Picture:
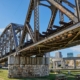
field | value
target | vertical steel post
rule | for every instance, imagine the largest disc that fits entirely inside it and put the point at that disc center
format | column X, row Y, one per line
column 36, row 20
column 77, row 2
column 61, row 14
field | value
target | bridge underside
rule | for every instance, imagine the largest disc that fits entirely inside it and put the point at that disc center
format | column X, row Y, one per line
column 62, row 39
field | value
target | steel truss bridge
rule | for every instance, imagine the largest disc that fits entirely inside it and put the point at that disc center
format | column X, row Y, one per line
column 15, row 38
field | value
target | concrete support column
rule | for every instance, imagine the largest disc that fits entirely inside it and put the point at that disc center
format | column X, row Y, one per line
column 54, row 65
column 13, row 65
column 10, row 60
column 21, row 66
column 6, row 64
column 63, row 63
column 47, row 60
column 74, row 64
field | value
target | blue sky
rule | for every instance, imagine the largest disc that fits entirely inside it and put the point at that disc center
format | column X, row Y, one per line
column 14, row 11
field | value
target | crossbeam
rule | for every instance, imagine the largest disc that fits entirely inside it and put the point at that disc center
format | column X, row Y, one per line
column 64, row 10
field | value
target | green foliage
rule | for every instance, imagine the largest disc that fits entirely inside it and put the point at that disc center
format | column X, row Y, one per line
column 51, row 71
column 4, row 75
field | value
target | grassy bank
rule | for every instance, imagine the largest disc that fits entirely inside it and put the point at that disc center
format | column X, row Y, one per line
column 4, row 75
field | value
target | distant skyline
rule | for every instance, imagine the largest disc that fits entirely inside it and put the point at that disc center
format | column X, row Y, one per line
column 14, row 11
column 75, row 50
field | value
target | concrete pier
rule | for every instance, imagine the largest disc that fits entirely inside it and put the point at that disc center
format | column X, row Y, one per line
column 74, row 64
column 20, row 66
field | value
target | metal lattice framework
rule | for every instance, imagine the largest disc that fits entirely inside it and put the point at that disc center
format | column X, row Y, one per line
column 10, row 38
column 26, row 41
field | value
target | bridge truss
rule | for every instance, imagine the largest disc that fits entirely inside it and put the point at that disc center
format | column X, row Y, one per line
column 23, row 40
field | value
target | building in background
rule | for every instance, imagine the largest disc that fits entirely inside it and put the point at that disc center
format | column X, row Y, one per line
column 69, row 54
column 47, row 55
column 58, row 55
column 78, row 55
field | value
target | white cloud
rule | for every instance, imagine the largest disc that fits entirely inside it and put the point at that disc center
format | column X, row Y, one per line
column 76, row 48
column 1, row 30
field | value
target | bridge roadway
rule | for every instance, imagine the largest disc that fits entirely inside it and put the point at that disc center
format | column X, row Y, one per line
column 64, row 38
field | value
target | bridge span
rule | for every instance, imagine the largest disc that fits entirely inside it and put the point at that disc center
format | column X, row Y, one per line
column 25, row 48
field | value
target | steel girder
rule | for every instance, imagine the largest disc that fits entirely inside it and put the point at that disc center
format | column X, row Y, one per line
column 9, row 39
column 54, row 6
column 53, row 15
column 36, row 20
column 32, row 7
column 27, row 20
